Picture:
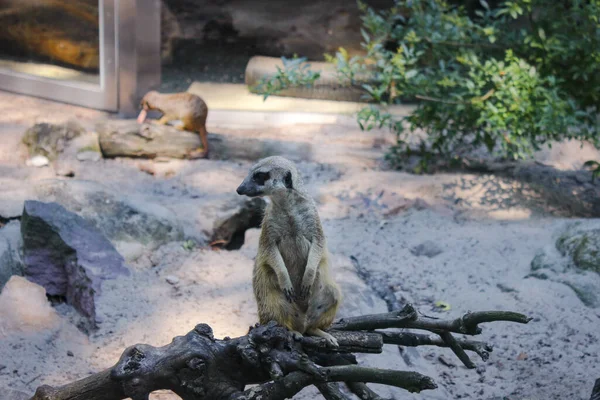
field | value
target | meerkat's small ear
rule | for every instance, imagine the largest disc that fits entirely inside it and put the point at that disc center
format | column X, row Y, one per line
column 288, row 180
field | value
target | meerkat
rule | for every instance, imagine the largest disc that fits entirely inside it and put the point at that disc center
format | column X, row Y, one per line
column 190, row 109
column 291, row 280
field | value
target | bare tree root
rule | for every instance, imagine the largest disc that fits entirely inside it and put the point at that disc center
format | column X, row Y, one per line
column 596, row 390
column 197, row 366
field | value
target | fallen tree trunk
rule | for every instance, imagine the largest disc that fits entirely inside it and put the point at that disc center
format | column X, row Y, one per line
column 127, row 138
column 197, row 366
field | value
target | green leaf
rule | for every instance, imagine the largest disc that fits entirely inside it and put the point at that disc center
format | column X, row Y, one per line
column 411, row 73
column 443, row 305
column 542, row 34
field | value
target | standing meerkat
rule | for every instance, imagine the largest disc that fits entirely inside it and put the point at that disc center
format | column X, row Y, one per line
column 291, row 279
column 190, row 109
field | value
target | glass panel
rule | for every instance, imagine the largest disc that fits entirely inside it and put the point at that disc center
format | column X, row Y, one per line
column 57, row 39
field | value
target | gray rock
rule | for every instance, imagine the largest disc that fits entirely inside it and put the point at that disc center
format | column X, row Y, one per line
column 555, row 265
column 426, row 249
column 67, row 255
column 13, row 197
column 171, row 279
column 10, row 246
column 87, row 155
column 82, row 149
column 120, row 218
column 583, row 247
column 50, row 140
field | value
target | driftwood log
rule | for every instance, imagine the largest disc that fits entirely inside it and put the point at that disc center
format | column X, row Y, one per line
column 127, row 138
column 199, row 367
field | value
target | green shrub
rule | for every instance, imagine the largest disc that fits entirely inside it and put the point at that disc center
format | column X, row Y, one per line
column 510, row 77
column 295, row 72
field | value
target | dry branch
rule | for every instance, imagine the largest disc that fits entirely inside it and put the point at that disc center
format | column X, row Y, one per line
column 197, row 366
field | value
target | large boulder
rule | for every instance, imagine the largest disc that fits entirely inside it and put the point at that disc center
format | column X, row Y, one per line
column 68, row 255
column 10, row 245
column 582, row 247
column 121, row 218
column 133, row 219
column 574, row 260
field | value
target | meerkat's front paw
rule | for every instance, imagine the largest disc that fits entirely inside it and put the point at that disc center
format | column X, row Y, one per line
column 289, row 294
column 297, row 335
column 304, row 292
column 331, row 341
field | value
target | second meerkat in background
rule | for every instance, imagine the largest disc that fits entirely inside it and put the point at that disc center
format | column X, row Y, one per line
column 190, row 109
column 291, row 280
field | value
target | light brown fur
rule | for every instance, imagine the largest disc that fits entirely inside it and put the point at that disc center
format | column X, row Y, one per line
column 291, row 279
column 190, row 109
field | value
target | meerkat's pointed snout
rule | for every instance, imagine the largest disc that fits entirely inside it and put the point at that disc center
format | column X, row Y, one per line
column 246, row 189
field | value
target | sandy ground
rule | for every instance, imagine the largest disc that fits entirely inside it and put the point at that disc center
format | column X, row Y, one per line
column 486, row 232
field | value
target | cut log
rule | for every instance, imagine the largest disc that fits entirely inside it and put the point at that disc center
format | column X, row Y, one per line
column 127, row 138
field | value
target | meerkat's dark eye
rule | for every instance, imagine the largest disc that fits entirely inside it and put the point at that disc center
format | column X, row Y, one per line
column 288, row 180
column 261, row 177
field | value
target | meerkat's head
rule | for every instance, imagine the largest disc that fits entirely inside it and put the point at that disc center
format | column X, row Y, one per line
column 148, row 100
column 270, row 176
column 146, row 104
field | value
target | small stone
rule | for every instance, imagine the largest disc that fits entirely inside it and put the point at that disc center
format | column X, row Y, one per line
column 25, row 308
column 37, row 161
column 173, row 280
column 427, row 249
column 89, row 155
column 70, row 353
